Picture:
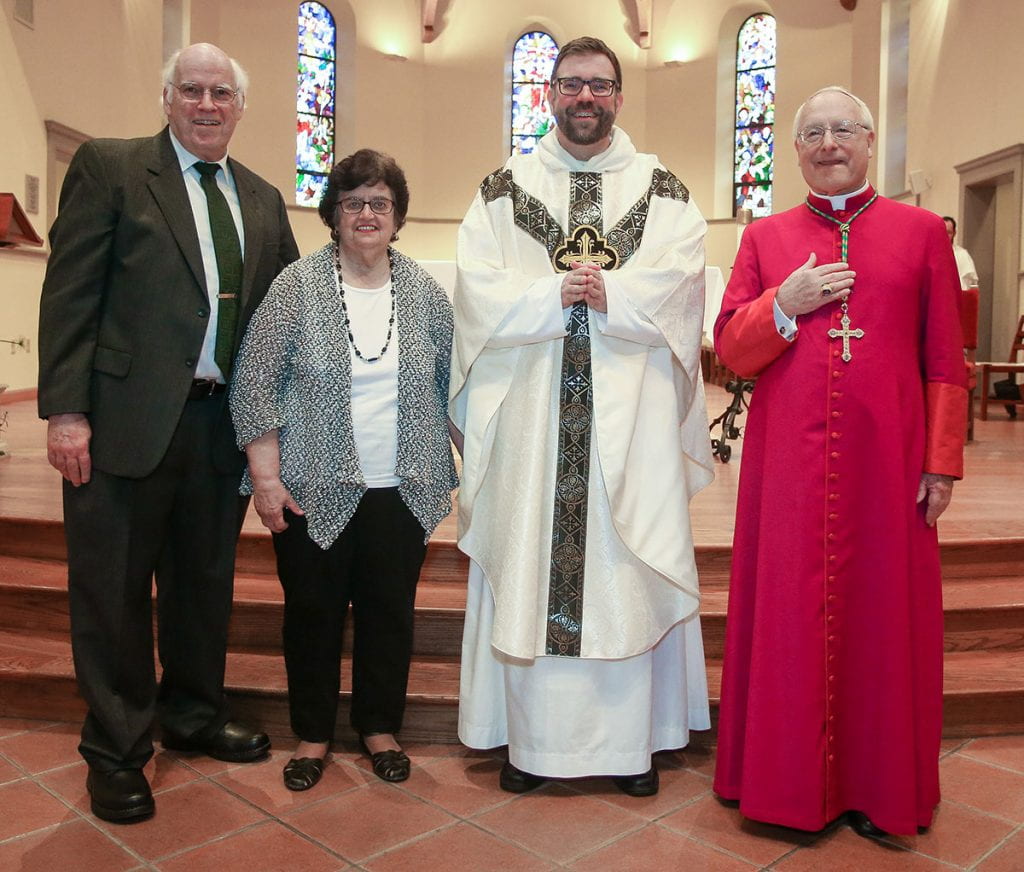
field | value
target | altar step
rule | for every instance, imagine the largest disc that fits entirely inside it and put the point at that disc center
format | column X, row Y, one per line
column 984, row 614
column 983, row 690
column 984, row 640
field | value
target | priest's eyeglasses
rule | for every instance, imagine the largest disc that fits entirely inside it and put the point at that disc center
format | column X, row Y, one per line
column 378, row 205
column 571, row 86
column 840, row 130
column 193, row 93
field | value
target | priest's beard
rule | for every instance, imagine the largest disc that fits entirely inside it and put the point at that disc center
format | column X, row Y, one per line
column 576, row 133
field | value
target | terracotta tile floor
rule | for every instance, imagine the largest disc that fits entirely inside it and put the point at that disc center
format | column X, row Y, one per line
column 451, row 816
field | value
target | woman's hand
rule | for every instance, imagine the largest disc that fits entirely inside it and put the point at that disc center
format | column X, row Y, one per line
column 269, row 494
column 271, row 498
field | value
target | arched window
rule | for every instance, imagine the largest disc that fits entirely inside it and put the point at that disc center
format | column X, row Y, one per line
column 533, row 58
column 314, row 140
column 755, row 114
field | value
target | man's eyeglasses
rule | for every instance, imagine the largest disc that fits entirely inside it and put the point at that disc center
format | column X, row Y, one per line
column 573, row 85
column 378, row 205
column 193, row 93
column 840, row 130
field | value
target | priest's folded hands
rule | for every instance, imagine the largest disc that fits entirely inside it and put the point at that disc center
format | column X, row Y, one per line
column 584, row 283
column 809, row 287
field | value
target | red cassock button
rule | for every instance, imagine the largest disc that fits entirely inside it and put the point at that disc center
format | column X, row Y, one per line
column 837, row 414
column 835, row 353
column 832, row 578
column 832, row 516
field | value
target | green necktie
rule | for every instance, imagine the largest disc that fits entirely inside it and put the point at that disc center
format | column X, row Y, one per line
column 229, row 265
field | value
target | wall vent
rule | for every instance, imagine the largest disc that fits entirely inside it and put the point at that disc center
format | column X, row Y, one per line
column 32, row 194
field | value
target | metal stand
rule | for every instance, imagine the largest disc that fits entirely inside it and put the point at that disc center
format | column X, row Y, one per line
column 738, row 387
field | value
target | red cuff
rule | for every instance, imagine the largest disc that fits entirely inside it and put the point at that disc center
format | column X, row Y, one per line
column 945, row 429
column 750, row 341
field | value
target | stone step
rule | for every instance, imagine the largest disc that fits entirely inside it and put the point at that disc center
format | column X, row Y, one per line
column 43, row 539
column 981, row 614
column 983, row 690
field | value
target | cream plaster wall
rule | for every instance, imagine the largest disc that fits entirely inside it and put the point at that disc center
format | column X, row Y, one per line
column 22, row 151
column 441, row 112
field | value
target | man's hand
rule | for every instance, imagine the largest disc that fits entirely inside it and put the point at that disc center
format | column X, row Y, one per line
column 938, row 489
column 809, row 287
column 584, row 283
column 271, row 498
column 67, row 446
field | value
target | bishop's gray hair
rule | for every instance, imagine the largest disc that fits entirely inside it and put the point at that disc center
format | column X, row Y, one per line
column 865, row 113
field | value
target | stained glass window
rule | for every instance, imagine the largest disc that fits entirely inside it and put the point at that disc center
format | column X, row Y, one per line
column 317, row 87
column 755, row 114
column 533, row 58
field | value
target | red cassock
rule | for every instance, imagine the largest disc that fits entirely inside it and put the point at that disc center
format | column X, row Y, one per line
column 832, row 683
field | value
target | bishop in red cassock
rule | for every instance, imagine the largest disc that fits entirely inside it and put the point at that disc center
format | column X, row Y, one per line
column 845, row 308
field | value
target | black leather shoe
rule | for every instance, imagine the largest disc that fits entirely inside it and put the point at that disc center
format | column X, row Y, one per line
column 233, row 743
column 862, row 825
column 516, row 781
column 388, row 765
column 645, row 784
column 302, row 773
column 121, row 796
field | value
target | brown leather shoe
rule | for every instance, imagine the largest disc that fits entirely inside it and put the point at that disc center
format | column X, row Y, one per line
column 121, row 795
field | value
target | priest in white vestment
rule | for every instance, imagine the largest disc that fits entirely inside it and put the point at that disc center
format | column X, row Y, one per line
column 576, row 383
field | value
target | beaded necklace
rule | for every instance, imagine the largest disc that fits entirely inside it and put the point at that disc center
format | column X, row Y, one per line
column 348, row 322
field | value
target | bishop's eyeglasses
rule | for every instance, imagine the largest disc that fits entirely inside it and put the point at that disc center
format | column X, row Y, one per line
column 840, row 130
column 571, row 86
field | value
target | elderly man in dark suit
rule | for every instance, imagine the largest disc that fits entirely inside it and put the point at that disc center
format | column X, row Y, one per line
column 162, row 249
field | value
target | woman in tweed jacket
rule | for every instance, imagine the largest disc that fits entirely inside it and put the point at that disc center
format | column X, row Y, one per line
column 339, row 398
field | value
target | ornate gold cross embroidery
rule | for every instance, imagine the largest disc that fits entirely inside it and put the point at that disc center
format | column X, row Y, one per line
column 585, row 246
column 846, row 333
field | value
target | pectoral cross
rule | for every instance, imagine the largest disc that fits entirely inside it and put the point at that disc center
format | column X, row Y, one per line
column 585, row 246
column 846, row 333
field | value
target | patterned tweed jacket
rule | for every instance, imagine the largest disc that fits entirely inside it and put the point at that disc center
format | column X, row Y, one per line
column 294, row 374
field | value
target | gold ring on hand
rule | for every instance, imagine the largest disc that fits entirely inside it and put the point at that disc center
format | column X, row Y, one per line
column 826, row 290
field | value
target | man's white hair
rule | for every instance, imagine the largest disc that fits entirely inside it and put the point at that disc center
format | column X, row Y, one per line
column 865, row 113
column 170, row 73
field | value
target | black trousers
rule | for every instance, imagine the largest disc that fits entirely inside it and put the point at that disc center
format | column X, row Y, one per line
column 374, row 565
column 181, row 521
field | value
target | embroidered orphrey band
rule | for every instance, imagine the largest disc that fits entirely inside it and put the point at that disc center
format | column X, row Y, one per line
column 584, row 242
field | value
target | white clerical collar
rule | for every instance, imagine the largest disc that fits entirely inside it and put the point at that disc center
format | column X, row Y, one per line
column 839, row 200
column 187, row 160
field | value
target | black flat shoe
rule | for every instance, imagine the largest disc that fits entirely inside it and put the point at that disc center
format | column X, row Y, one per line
column 302, row 773
column 516, row 781
column 233, row 743
column 121, row 796
column 388, row 765
column 644, row 784
column 862, row 825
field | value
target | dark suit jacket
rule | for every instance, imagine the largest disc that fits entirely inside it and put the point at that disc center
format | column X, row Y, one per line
column 124, row 303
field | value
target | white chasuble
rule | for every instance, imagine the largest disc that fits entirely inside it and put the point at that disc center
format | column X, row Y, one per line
column 649, row 449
